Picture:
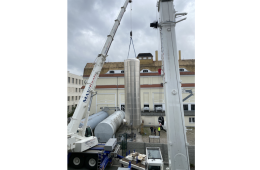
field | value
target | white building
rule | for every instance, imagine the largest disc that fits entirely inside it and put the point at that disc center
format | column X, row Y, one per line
column 74, row 91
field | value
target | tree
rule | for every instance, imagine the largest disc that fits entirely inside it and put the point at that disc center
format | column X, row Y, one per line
column 70, row 114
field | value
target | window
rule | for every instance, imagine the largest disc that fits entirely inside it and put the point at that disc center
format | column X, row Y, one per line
column 111, row 71
column 73, row 80
column 72, row 98
column 76, row 89
column 123, row 107
column 68, row 79
column 76, row 97
column 68, row 108
column 181, row 69
column 149, row 57
column 79, row 97
column 191, row 119
column 79, row 89
column 154, row 153
column 82, row 81
column 122, row 71
column 144, row 58
column 68, row 98
column 140, row 58
column 193, row 107
column 185, row 107
column 154, row 167
column 76, row 81
column 79, row 81
column 145, row 71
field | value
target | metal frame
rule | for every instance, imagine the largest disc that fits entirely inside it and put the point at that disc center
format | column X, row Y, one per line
column 176, row 135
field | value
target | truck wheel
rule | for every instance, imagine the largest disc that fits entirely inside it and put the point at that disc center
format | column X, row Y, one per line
column 76, row 161
column 91, row 163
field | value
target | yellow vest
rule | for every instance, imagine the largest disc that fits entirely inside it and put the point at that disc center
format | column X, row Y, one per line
column 159, row 129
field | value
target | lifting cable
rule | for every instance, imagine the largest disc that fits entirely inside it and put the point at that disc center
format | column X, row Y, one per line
column 131, row 34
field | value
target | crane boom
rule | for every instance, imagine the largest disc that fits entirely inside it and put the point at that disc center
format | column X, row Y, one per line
column 176, row 133
column 82, row 107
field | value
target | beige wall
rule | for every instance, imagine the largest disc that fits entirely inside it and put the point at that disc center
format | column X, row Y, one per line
column 187, row 123
column 115, row 97
column 143, row 80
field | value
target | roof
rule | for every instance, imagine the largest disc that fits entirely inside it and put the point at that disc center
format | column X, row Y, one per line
column 144, row 55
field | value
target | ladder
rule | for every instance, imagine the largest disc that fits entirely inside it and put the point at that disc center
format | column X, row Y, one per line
column 99, row 159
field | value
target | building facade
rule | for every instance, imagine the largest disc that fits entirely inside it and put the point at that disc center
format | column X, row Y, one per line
column 110, row 93
column 74, row 91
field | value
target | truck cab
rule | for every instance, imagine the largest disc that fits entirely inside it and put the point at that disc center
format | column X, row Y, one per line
column 154, row 159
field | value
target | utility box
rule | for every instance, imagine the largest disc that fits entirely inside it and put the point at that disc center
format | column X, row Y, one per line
column 110, row 145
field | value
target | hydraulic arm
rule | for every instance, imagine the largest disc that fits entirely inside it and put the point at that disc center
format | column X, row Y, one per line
column 176, row 131
column 82, row 107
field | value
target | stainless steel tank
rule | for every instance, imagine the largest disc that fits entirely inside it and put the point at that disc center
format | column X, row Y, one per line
column 108, row 127
column 132, row 92
column 94, row 119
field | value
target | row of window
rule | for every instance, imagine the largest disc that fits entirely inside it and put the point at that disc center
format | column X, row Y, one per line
column 71, row 98
column 191, row 119
column 144, row 58
column 77, row 81
column 70, row 107
column 76, row 90
column 144, row 71
column 186, row 107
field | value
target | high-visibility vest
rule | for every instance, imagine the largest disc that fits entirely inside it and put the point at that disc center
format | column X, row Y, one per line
column 159, row 129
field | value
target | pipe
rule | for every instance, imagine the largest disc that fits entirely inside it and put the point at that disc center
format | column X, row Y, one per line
column 156, row 55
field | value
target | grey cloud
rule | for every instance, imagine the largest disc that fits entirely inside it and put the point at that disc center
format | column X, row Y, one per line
column 90, row 21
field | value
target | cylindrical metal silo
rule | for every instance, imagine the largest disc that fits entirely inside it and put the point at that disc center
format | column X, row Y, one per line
column 95, row 119
column 132, row 92
column 108, row 127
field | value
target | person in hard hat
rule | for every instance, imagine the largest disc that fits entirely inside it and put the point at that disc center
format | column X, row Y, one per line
column 151, row 130
column 159, row 129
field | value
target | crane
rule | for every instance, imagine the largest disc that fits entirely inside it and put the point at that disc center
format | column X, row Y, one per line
column 176, row 133
column 77, row 142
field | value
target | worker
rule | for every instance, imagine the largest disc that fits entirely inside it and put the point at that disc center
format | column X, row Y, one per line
column 159, row 129
column 151, row 130
column 154, row 131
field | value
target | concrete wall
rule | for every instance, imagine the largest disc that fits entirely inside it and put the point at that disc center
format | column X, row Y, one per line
column 153, row 121
column 140, row 147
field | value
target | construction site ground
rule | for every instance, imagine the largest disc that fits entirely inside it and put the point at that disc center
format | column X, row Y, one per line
column 163, row 135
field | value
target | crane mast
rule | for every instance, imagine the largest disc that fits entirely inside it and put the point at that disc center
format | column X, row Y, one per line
column 176, row 133
column 82, row 107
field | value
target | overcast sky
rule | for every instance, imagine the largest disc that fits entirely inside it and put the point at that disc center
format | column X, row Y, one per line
column 90, row 21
